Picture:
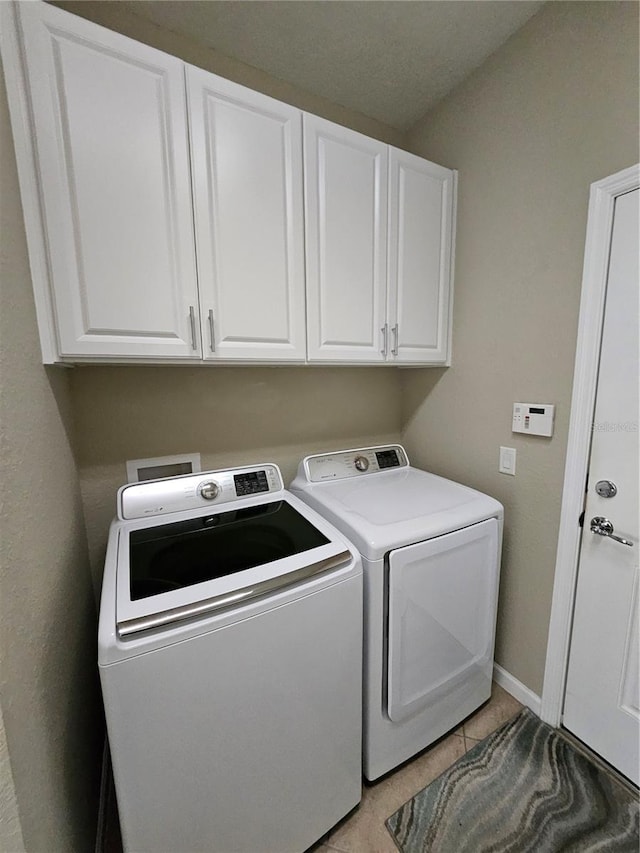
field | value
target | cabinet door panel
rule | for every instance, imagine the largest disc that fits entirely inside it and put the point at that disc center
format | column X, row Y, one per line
column 420, row 241
column 247, row 178
column 346, row 212
column 110, row 123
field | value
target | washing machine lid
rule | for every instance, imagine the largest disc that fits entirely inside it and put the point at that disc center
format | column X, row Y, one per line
column 384, row 508
column 250, row 539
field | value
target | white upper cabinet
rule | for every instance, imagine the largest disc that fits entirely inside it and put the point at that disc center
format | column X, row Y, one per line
column 172, row 214
column 113, row 173
column 378, row 265
column 346, row 240
column 421, row 199
column 247, row 184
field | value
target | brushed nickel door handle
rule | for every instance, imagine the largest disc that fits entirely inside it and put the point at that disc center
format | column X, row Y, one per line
column 603, row 527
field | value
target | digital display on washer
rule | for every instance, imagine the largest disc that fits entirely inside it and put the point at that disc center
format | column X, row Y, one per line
column 251, row 483
column 387, row 458
column 173, row 556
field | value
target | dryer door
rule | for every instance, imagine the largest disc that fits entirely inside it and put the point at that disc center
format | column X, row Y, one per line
column 442, row 610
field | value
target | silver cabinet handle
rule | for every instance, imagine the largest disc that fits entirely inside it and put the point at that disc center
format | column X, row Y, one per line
column 384, row 331
column 192, row 321
column 212, row 338
column 394, row 332
column 603, row 527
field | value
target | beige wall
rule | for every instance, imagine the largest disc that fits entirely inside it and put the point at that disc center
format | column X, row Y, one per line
column 48, row 680
column 112, row 15
column 552, row 111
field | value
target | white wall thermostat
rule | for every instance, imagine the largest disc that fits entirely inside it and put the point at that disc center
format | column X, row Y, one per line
column 533, row 418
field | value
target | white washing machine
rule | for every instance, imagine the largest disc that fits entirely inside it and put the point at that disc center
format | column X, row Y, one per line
column 431, row 558
column 230, row 656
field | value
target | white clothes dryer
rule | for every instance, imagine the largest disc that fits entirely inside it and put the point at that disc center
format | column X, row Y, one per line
column 431, row 555
column 230, row 654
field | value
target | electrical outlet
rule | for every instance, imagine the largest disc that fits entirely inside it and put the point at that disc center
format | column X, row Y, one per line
column 507, row 461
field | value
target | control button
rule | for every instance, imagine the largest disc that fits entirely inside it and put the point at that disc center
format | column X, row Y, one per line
column 209, row 490
column 361, row 463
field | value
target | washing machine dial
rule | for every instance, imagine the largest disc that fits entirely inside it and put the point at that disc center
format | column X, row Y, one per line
column 209, row 490
column 361, row 463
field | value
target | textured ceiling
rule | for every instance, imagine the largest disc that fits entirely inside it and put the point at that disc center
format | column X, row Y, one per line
column 391, row 61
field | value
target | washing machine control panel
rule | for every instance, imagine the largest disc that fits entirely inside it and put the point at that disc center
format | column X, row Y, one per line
column 208, row 488
column 361, row 462
column 251, row 482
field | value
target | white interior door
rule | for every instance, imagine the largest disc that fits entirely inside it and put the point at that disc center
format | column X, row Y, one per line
column 602, row 703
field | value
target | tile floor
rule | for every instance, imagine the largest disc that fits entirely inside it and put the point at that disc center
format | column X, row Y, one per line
column 364, row 831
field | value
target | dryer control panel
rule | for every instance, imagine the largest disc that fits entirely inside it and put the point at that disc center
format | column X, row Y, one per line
column 354, row 463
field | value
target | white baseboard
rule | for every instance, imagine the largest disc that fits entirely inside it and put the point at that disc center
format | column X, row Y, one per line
column 516, row 688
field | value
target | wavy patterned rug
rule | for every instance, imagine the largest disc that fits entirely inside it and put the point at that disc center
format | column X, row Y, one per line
column 524, row 789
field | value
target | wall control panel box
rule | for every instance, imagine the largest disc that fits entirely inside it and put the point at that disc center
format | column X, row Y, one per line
column 158, row 467
column 533, row 418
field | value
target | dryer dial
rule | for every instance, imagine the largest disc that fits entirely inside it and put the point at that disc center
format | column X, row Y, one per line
column 209, row 490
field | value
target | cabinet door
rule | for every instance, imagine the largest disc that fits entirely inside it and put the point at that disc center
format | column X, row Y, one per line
column 421, row 200
column 112, row 157
column 247, row 183
column 346, row 221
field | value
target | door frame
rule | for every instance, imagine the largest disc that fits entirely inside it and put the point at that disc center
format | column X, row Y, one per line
column 602, row 198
